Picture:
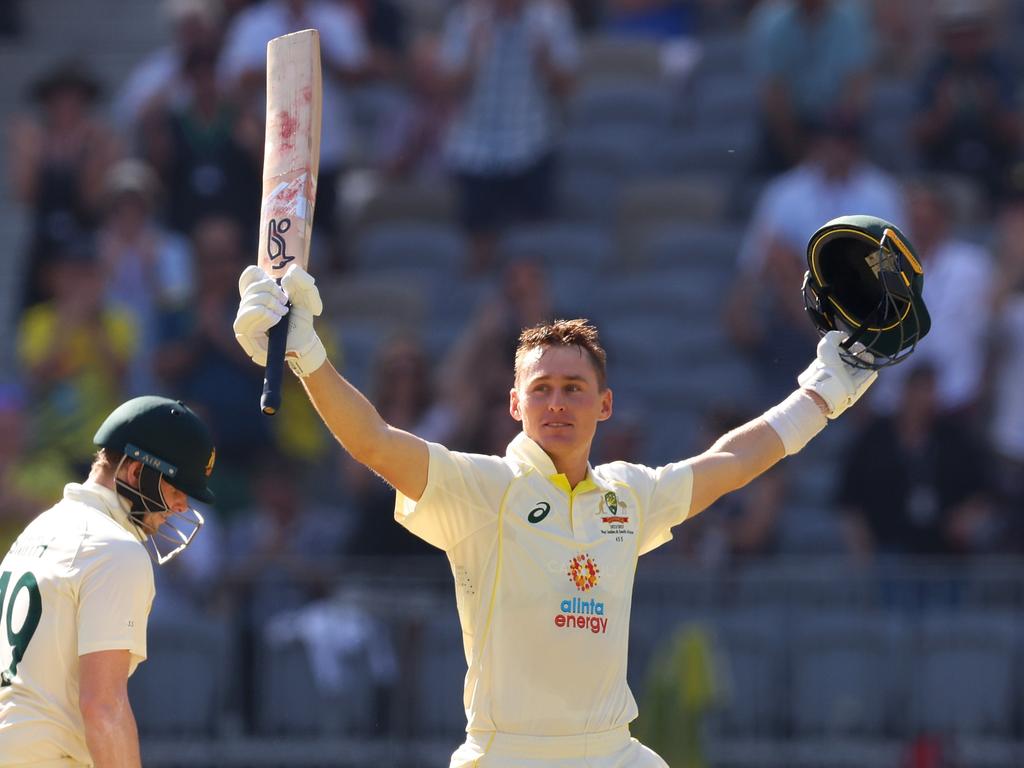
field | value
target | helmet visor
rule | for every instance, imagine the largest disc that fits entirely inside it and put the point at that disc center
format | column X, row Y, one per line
column 176, row 533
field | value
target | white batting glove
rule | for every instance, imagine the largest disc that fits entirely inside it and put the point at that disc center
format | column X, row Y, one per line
column 263, row 304
column 839, row 384
column 305, row 352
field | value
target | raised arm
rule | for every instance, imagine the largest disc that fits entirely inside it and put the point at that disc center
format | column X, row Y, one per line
column 399, row 457
column 827, row 388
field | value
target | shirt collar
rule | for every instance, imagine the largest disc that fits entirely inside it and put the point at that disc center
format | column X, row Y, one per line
column 104, row 500
column 527, row 451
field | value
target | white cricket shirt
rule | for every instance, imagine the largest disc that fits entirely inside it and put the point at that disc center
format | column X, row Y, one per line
column 77, row 580
column 544, row 579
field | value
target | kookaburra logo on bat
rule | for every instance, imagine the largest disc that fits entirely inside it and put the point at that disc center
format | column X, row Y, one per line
column 277, row 247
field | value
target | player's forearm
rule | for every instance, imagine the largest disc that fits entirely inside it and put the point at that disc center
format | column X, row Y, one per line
column 753, row 449
column 111, row 733
column 352, row 418
column 397, row 456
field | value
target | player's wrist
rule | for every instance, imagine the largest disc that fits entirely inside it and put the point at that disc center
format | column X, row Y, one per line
column 796, row 420
column 308, row 360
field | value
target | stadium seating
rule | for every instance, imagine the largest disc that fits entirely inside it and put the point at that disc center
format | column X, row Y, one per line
column 846, row 676
column 181, row 689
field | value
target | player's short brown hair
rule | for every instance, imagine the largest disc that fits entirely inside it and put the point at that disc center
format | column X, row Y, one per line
column 565, row 333
column 106, row 459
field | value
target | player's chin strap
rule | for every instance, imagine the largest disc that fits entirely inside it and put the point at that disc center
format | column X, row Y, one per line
column 179, row 528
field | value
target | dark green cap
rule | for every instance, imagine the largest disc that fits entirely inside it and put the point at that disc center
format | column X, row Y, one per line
column 164, row 434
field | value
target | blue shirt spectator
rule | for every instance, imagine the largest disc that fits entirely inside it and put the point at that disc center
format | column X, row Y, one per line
column 811, row 59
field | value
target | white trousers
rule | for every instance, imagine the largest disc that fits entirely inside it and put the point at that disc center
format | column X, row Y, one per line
column 609, row 749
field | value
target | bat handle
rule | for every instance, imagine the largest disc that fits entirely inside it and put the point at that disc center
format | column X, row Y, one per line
column 273, row 376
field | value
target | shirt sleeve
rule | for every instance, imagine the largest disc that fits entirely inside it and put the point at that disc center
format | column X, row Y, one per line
column 664, row 495
column 464, row 493
column 556, row 25
column 115, row 598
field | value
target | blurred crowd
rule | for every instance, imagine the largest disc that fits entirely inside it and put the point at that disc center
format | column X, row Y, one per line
column 143, row 198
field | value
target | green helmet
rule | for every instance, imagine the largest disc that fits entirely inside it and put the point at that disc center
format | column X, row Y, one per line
column 165, row 435
column 864, row 278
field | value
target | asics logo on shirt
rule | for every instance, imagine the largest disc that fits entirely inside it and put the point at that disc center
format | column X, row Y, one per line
column 539, row 512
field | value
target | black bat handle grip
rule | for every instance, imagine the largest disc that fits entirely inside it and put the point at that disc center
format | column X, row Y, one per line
column 273, row 377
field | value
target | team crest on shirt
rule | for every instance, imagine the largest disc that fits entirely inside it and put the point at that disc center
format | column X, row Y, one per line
column 614, row 515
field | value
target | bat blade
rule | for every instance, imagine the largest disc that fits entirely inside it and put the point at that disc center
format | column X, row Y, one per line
column 291, row 161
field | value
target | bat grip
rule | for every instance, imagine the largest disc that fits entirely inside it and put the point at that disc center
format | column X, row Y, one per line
column 273, row 376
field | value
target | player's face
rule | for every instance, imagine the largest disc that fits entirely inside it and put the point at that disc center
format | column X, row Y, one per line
column 177, row 501
column 558, row 400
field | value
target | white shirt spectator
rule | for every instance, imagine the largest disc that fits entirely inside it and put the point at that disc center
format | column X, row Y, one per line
column 508, row 118
column 342, row 44
column 1008, row 400
column 798, row 202
column 156, row 76
column 957, row 287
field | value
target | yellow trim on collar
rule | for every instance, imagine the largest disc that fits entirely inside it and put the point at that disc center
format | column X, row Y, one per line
column 584, row 485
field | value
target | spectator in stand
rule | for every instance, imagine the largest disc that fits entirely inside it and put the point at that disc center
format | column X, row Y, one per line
column 916, row 482
column 401, row 387
column 146, row 270
column 208, row 152
column 281, row 554
column 1006, row 425
column 967, row 120
column 59, row 160
column 196, row 360
column 812, row 59
column 412, row 141
column 765, row 313
column 74, row 351
column 283, row 549
column 31, row 476
column 385, row 29
column 509, row 64
column 475, row 371
column 161, row 82
column 346, row 61
column 902, row 41
column 957, row 289
column 747, row 522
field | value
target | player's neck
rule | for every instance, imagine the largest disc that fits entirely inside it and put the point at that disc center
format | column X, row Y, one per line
column 574, row 469
column 101, row 477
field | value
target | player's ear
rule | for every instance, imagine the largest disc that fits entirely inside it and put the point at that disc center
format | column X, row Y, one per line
column 513, row 404
column 131, row 471
column 606, row 405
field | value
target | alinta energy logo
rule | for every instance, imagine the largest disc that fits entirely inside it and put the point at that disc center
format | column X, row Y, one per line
column 577, row 612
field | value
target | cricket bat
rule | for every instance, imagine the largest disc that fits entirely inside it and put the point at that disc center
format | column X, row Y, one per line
column 291, row 160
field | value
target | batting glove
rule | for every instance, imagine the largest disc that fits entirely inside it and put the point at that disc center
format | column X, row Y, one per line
column 839, row 384
column 263, row 304
column 305, row 352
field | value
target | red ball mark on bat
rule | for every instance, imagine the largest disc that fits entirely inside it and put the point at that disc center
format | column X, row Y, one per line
column 287, row 124
column 307, row 94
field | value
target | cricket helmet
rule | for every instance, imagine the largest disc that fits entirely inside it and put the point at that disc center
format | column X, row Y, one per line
column 864, row 278
column 171, row 442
